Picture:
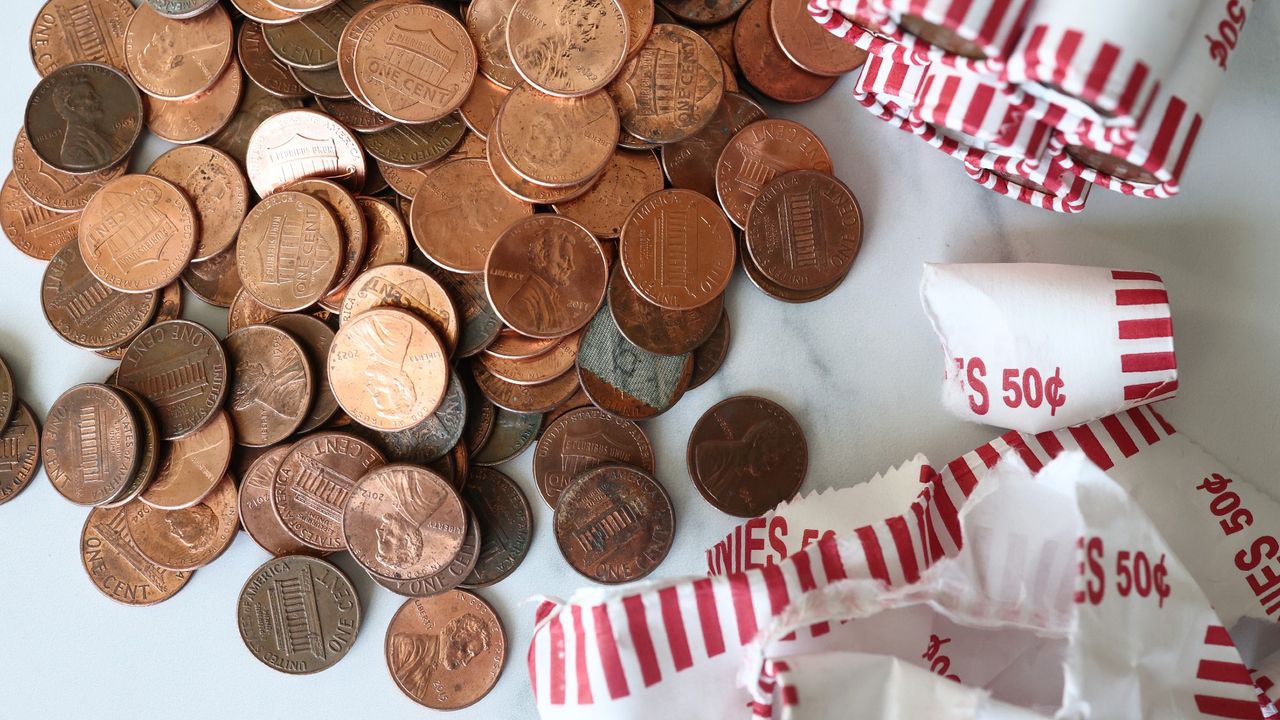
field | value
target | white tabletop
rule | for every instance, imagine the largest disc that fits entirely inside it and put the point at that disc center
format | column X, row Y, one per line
column 860, row 370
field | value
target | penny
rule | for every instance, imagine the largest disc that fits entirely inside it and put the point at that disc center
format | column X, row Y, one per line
column 349, row 38
column 302, row 6
column 311, row 41
column 290, row 251
column 355, row 241
column 541, row 369
column 657, row 109
column 539, row 398
column 298, row 614
column 691, row 163
column 116, row 567
column 181, row 9
column 764, row 64
column 192, row 466
column 245, row 311
column 189, row 538
column 720, row 37
column 433, row 438
column 404, row 181
column 179, row 367
column 408, row 288
column 52, row 188
column 703, row 12
column 34, row 230
column 520, row 187
column 149, row 445
column 313, row 483
column 254, row 505
column 709, row 356
column 804, row 230
column 404, row 522
column 624, row 380
column 567, row 47
column 677, row 249
column 614, row 524
column 760, row 152
column 297, row 144
column 479, row 323
column 941, row 37
column 553, row 141
column 482, row 105
column 486, row 22
column 639, row 22
column 326, row 83
column 216, row 281
column 90, row 444
column 1111, row 165
column 263, row 68
column 413, row 146
column 7, row 401
column 579, row 400
column 177, row 59
column 255, row 106
column 71, row 31
column 628, row 178
column 19, row 452
column 808, row 44
column 778, row 292
column 83, row 118
column 513, row 345
column 451, row 576
column 446, row 651
column 86, row 313
column 217, row 188
column 388, row 369
column 272, row 384
column 357, row 117
column 747, row 454
column 512, row 433
column 138, row 233
column 481, row 417
column 459, row 212
column 655, row 328
column 731, row 83
column 314, row 337
column 415, row 63
column 388, row 241
column 201, row 116
column 264, row 12
column 662, row 15
column 506, row 525
column 546, row 276
column 582, row 440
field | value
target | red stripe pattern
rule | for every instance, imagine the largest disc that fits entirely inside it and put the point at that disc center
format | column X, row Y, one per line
column 1144, row 333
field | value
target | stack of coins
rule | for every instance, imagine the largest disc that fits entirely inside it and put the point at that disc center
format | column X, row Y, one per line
column 19, row 440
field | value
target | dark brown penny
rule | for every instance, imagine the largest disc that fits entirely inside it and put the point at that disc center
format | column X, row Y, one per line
column 297, row 144
column 446, row 651
column 539, row 369
column 189, row 538
column 90, row 444
column 614, row 524
column 624, row 380
column 289, row 253
column 747, row 454
column 764, row 64
column 512, row 433
column 326, row 83
column 298, row 614
column 432, row 438
column 35, row 230
column 83, row 118
column 581, row 440
column 480, row 324
column 655, row 107
column 804, row 230
column 217, row 189
column 481, row 417
column 459, row 212
column 179, row 367
column 677, row 249
column 177, row 59
column 311, row 42
column 149, row 444
column 19, row 452
column 263, row 68
column 192, row 466
column 315, row 337
column 116, row 567
column 357, row 117
column 355, row 236
column 52, row 188
column 720, row 37
column 254, row 502
column 709, row 356
column 629, row 177
column 245, row 311
column 691, row 163
column 404, row 522
column 939, row 36
column 506, row 525
column 450, row 577
column 657, row 329
column 513, row 345
column 313, row 483
column 808, row 44
column 703, row 12
column 198, row 117
column 272, row 384
column 151, row 248
column 69, row 31
column 408, row 288
column 404, row 181
column 412, row 146
column 757, row 154
column 525, row 398
column 86, row 313
column 216, row 281
column 255, row 106
column 1111, row 165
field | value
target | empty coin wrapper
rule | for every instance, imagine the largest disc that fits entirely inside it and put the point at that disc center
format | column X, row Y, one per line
column 1035, row 347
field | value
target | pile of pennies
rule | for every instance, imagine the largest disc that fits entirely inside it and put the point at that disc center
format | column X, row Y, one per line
column 442, row 232
column 19, row 439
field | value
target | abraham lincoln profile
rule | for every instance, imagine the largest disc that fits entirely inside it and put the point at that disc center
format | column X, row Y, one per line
column 414, row 658
column 83, row 144
column 577, row 25
column 726, row 465
column 400, row 533
column 191, row 525
column 384, row 343
column 551, row 266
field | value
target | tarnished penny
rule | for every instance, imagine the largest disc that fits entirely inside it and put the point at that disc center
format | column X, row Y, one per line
column 512, row 433
column 479, row 323
column 263, row 68
column 433, row 438
column 525, row 398
column 177, row 59
column 451, row 576
column 36, row 231
column 255, row 106
column 404, row 522
column 7, row 399
column 691, row 163
column 314, row 337
column 520, row 187
column 513, row 345
column 415, row 63
column 355, row 240
column 671, row 88
column 747, row 454
column 760, row 152
column 297, row 144
column 584, row 439
column 179, row 367
column 764, row 64
column 86, row 313
column 404, row 181
column 446, row 651
column 459, row 212
column 808, row 44
column 71, row 31
column 201, row 116
column 482, row 105
column 629, row 177
column 357, row 117
column 677, row 249
column 624, row 380
column 540, row 369
column 215, row 281
column 709, row 356
column 703, row 12
column 116, row 567
column 289, row 251
column 388, row 369
column 254, row 502
column 83, row 118
column 506, row 525
column 189, row 538
column 567, row 47
column 553, row 141
column 272, row 384
column 326, row 83
column 298, row 614
column 546, row 275
column 313, row 483
column 192, row 466
column 1111, row 165
column 52, row 188
column 19, row 452
column 720, row 37
column 311, row 42
column 655, row 328
column 487, row 25
column 217, row 188
column 804, row 230
column 181, row 9
column 614, row 524
column 481, row 418
column 90, row 444
column 264, row 12
column 408, row 288
column 138, row 233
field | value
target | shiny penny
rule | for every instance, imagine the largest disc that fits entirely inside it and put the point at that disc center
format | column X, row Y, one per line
column 629, row 177
column 677, row 249
column 349, row 39
column 254, row 503
column 459, row 212
column 778, row 292
column 804, row 230
column 216, row 281
column 656, row 106
column 19, row 452
column 539, row 398
column 624, row 380
column 584, row 439
column 546, row 275
column 179, row 367
column 298, row 614
column 313, row 483
column 479, row 323
column 709, row 356
column 290, row 251
column 557, row 142
column 446, row 651
column 52, row 188
column 408, row 288
column 415, row 63
column 192, row 466
column 540, row 369
column 506, row 525
column 83, row 118
column 567, row 47
column 810, row 45
column 404, row 522
column 34, row 230
column 199, row 117
column 263, row 68
column 388, row 240
column 189, row 538
column 297, row 144
column 764, row 64
column 388, row 369
column 355, row 236
column 90, row 444
column 272, row 384
column 512, row 433
column 747, row 454
column 486, row 22
column 433, row 438
column 482, row 105
column 86, row 313
column 217, row 188
column 315, row 337
column 655, row 328
column 138, row 233
column 614, row 524
column 177, row 59
column 691, row 163
column 760, row 152
column 115, row 565
column 71, row 31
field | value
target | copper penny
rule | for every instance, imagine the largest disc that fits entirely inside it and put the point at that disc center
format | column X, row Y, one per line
column 313, row 483
column 36, row 231
column 512, row 433
column 262, row 11
column 179, row 367
column 760, row 152
column 138, row 233
column 450, row 577
column 624, row 380
column 1111, row 165
column 487, row 26
column 149, row 446
column 639, row 22
column 7, row 401
column 290, row 251
column 90, row 444
column 539, row 398
column 655, row 328
column 433, row 438
column 311, row 41
column 83, row 118
column 181, row 9
column 691, row 163
column 459, row 212
column 245, row 311
column 614, row 524
column 388, row 369
column 315, row 337
column 944, row 38
column 703, row 12
column 567, row 47
column 804, row 230
column 326, row 83
column 216, row 281
column 255, row 106
column 513, row 345
column 189, row 538
column 747, row 454
column 481, row 416
column 479, row 323
column 541, row 369
column 408, row 288
column 677, row 249
column 404, row 181
column 413, row 146
column 584, row 439
column 70, row 31
column 272, row 384
column 629, row 177
column 520, row 187
column 217, row 188
column 302, row 6
column 358, row 118
column 546, row 276
column 52, row 188
column 779, row 292
column 349, row 39
column 388, row 240
column 298, row 614
column 415, row 63
column 709, row 356
column 263, row 68
column 764, row 64
column 553, row 141
column 720, row 37
column 201, row 116
column 192, row 466
column 86, row 313
column 671, row 88
column 506, row 525
column 446, row 651
column 297, row 144
column 404, row 522
column 482, row 105
column 177, row 59
column 579, row 400
column 629, row 141
column 116, row 567
column 731, row 83
column 355, row 240
column 19, row 452
column 810, row 45
column 254, row 503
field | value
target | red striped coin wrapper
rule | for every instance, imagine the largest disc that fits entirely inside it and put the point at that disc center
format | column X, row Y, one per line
column 992, row 25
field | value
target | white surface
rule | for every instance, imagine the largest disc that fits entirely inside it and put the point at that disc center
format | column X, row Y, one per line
column 860, row 370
